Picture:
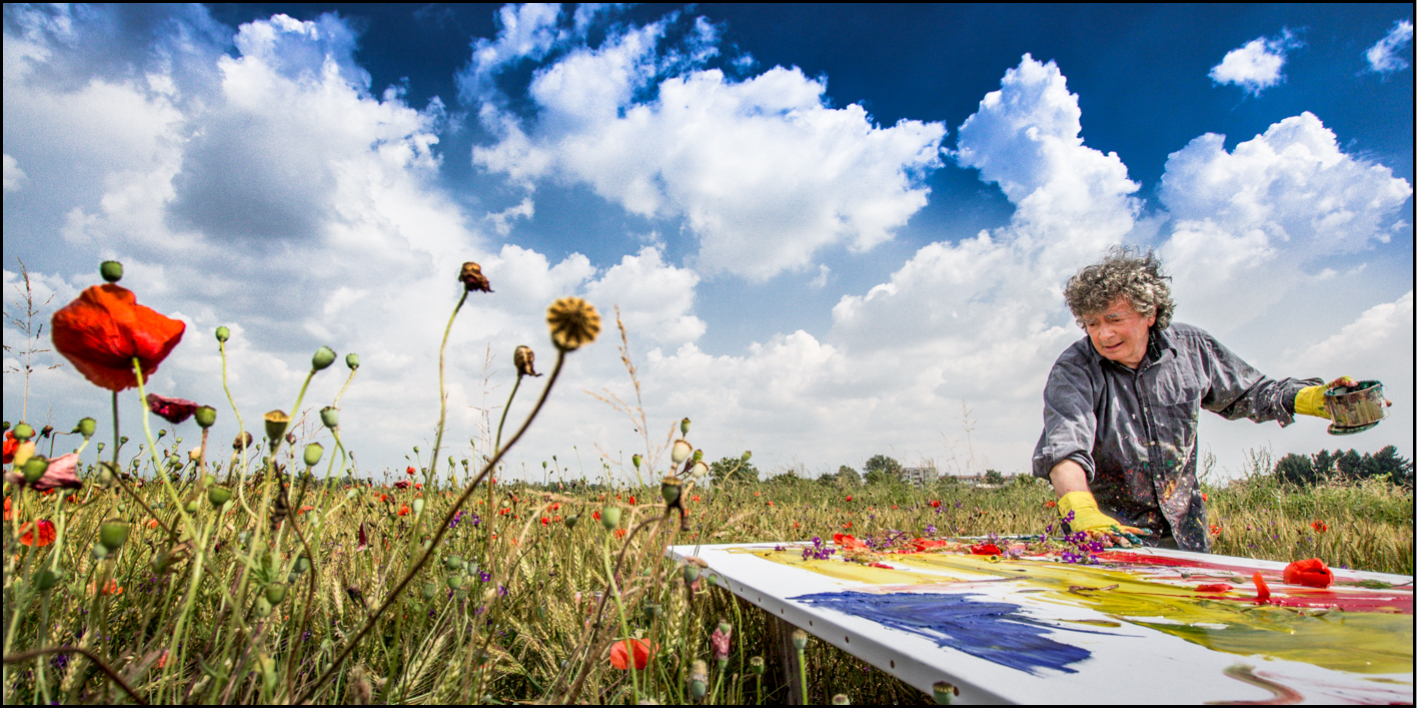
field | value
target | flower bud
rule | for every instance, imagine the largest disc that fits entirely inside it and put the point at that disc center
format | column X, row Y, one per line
column 112, row 271
column 243, row 441
column 313, row 453
column 681, row 451
column 747, row 455
column 276, row 423
column 684, row 427
column 23, row 432
column 112, row 533
column 351, row 360
column 329, row 415
column 945, row 692
column 34, row 468
column 525, row 360
column 275, row 592
column 635, row 458
column 455, row 581
column 669, row 488
column 323, row 357
column 223, row 334
column 86, row 427
column 205, row 416
column 610, row 517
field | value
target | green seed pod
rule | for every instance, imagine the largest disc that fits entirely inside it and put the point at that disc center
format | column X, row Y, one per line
column 684, row 427
column 98, row 550
column 218, row 496
column 352, row 361
column 34, row 468
column 112, row 271
column 691, row 573
column 329, row 415
column 323, row 357
column 747, row 455
column 222, row 333
column 651, row 611
column 453, row 562
column 429, row 590
column 635, row 458
column 455, row 581
column 276, row 423
column 418, row 507
column 275, row 593
column 86, row 427
column 23, row 432
column 205, row 417
column 610, row 517
column 192, row 506
column 113, row 533
column 44, row 580
column 799, row 639
column 945, row 692
column 724, row 626
column 313, row 453
column 263, row 607
column 302, row 564
column 756, row 665
column 4, row 426
column 572, row 520
column 670, row 487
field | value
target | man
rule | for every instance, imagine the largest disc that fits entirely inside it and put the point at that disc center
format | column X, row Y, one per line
column 1122, row 406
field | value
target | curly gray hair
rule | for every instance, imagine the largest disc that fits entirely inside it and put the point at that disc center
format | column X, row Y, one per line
column 1124, row 272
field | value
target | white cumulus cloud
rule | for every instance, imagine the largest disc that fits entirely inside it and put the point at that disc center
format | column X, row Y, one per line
column 1385, row 57
column 1256, row 66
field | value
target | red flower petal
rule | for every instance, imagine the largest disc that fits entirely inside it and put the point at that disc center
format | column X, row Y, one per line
column 985, row 549
column 39, row 533
column 102, row 331
column 620, row 654
column 1261, row 588
column 1310, row 573
column 173, row 410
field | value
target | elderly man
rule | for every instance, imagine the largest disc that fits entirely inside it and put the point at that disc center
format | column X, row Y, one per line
column 1122, row 406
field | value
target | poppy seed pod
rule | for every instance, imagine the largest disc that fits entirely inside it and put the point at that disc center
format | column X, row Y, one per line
column 691, row 573
column 243, row 441
column 610, row 517
column 112, row 533
column 698, row 679
column 323, row 357
column 86, row 427
column 757, row 665
column 223, row 334
column 684, row 427
column 276, row 423
column 669, row 488
column 574, row 323
column 218, row 496
column 112, row 271
column 23, row 432
column 418, row 507
column 453, row 562
column 699, row 470
column 681, row 451
column 635, row 458
column 799, row 639
column 275, row 593
column 313, row 453
column 747, row 455
column 572, row 520
column 98, row 551
column 205, row 416
column 44, row 580
column 525, row 360
column 352, row 361
column 472, row 278
column 429, row 590
column 262, row 608
column 34, row 468
column 329, row 415
column 945, row 692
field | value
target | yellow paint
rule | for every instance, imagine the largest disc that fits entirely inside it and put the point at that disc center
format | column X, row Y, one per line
column 1358, row 642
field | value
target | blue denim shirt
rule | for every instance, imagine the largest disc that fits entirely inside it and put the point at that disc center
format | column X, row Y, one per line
column 1134, row 431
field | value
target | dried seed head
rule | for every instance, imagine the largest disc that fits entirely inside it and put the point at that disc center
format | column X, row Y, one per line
column 670, row 487
column 276, row 423
column 681, row 451
column 472, row 278
column 243, row 441
column 574, row 323
column 525, row 360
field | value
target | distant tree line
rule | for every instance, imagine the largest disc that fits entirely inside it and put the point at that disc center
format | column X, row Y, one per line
column 1324, row 466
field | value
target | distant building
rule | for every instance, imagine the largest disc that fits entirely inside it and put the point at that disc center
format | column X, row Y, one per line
column 919, row 476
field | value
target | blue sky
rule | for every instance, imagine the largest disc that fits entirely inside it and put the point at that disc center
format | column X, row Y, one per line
column 829, row 229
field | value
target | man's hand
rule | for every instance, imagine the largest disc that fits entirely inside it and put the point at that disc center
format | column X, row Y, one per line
column 1087, row 517
column 1310, row 399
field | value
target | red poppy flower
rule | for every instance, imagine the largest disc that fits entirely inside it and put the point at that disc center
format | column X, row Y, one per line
column 619, row 533
column 60, row 474
column 403, row 510
column 545, row 521
column 985, row 549
column 40, row 533
column 1311, row 573
column 1215, row 529
column 632, row 500
column 173, row 410
column 105, row 328
column 402, row 484
column 595, row 515
column 1050, row 504
column 696, row 497
column 410, row 471
column 1205, row 497
column 1261, row 588
column 11, row 445
column 848, row 497
column 7, row 509
column 1214, row 587
column 1319, row 526
column 769, row 503
column 620, row 654
column 935, row 503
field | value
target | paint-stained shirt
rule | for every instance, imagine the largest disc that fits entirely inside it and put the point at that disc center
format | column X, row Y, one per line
column 1134, row 431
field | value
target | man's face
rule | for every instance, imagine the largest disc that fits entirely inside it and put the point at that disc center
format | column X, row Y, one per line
column 1120, row 332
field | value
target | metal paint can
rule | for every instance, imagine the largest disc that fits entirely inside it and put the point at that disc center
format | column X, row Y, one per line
column 1354, row 409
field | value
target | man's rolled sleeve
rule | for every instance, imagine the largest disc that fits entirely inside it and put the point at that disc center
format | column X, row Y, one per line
column 1069, row 419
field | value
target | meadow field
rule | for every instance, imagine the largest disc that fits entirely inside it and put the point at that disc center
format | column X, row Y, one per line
column 272, row 571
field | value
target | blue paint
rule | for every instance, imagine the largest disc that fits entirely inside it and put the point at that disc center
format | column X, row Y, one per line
column 991, row 630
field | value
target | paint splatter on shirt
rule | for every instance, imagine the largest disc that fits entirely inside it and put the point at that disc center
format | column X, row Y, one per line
column 1134, row 431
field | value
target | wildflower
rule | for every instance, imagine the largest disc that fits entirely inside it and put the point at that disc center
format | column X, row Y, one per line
column 619, row 533
column 105, row 328
column 848, row 497
column 11, row 445
column 8, row 514
column 1205, row 497
column 574, row 323
column 410, row 471
column 984, row 549
column 172, row 410
column 770, row 503
column 525, row 359
column 595, row 515
column 403, row 510
column 1050, row 504
column 620, row 654
column 111, row 588
column 472, row 278
column 59, row 473
column 1215, row 529
column 721, row 641
column 545, row 521
column 935, row 503
column 1261, row 588
column 304, row 509
column 1312, row 573
column 632, row 500
column 1319, row 526
column 39, row 533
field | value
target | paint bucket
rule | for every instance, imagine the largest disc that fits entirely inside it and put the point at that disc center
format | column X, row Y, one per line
column 1356, row 408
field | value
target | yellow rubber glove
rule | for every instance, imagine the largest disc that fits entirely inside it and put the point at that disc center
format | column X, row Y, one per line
column 1087, row 517
column 1310, row 400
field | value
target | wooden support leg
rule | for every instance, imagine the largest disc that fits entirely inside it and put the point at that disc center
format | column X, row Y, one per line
column 787, row 669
